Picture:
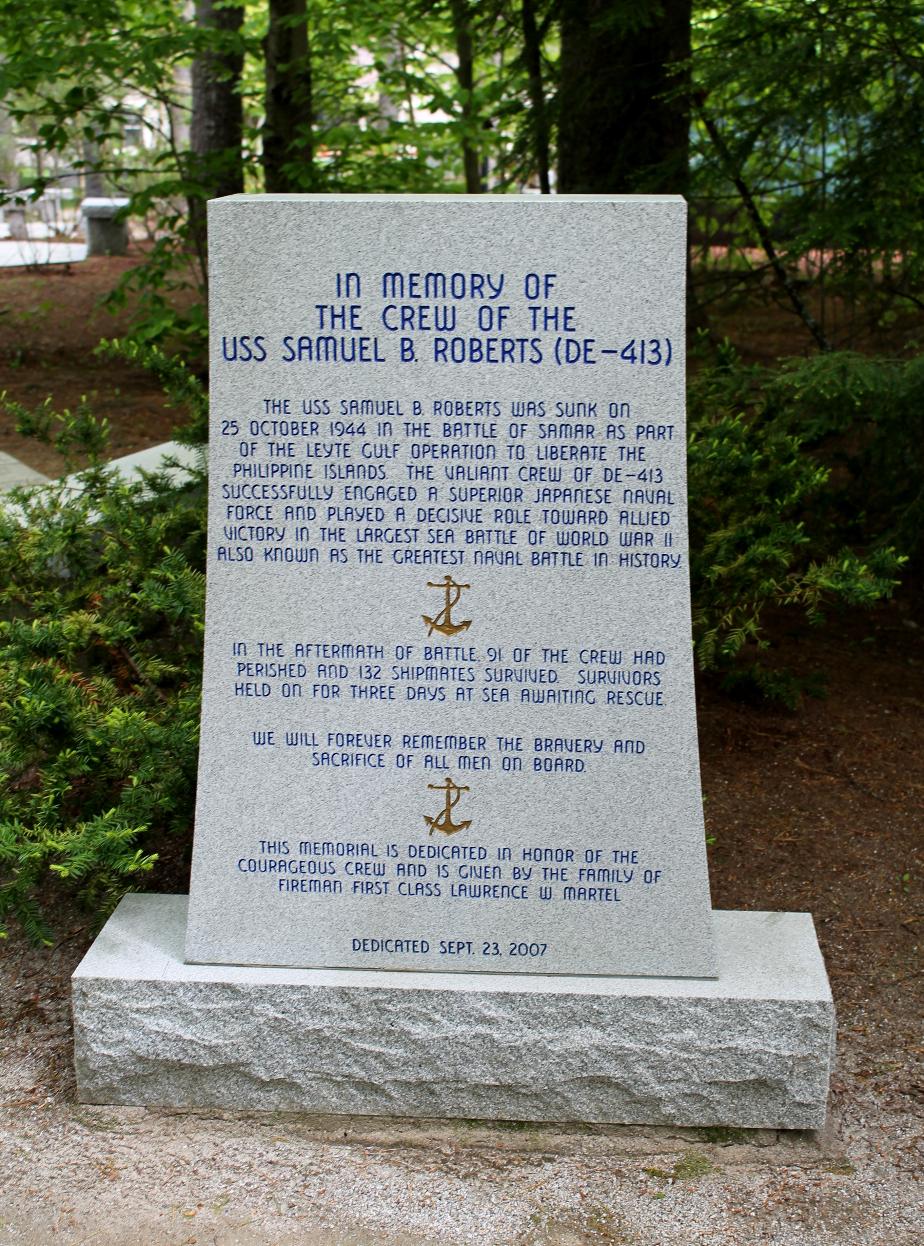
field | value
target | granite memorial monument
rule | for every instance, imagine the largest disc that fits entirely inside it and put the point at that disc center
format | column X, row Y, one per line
column 449, row 851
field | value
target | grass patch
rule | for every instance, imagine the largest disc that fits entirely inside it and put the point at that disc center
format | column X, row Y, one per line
column 840, row 1168
column 687, row 1168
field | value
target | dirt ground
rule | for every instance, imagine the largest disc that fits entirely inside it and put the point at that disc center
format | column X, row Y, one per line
column 51, row 320
column 820, row 810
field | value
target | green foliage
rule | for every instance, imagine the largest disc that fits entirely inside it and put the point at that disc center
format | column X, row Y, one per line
column 760, row 530
column 101, row 622
column 805, row 136
column 864, row 418
column 101, row 611
column 183, row 388
column 166, row 291
column 72, row 73
column 821, row 106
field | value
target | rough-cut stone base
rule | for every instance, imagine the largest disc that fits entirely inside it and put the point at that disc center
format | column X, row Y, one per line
column 752, row 1048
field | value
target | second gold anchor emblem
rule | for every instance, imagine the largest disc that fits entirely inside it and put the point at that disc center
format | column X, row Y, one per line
column 443, row 821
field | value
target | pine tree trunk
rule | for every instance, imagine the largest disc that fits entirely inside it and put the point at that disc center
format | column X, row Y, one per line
column 288, row 157
column 617, row 132
column 532, row 52
column 465, row 76
column 217, row 124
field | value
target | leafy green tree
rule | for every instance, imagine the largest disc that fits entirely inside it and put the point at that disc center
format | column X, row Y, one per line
column 67, row 68
column 807, row 144
column 68, row 74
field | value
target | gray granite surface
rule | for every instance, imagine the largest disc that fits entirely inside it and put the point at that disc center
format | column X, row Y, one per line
column 751, row 1048
column 14, row 473
column 496, row 774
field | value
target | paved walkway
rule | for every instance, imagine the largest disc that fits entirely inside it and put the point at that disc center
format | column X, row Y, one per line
column 34, row 252
column 13, row 473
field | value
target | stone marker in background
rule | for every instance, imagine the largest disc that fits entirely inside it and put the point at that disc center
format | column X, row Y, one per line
column 448, row 719
column 106, row 235
column 13, row 214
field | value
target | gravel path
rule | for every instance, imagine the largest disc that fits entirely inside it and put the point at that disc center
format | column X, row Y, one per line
column 76, row 1174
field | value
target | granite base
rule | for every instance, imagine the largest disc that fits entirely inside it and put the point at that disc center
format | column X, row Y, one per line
column 752, row 1048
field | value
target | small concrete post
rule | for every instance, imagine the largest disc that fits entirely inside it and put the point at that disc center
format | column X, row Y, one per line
column 14, row 214
column 105, row 235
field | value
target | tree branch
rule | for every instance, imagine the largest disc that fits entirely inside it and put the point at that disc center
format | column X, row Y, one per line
column 763, row 232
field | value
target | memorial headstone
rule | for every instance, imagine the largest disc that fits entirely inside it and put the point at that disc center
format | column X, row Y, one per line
column 448, row 713
column 448, row 727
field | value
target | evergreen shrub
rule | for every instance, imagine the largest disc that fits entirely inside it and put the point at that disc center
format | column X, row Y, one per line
column 102, row 608
column 780, row 516
column 101, row 626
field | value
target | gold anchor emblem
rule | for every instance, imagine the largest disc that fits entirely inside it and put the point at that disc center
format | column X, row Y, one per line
column 443, row 621
column 443, row 821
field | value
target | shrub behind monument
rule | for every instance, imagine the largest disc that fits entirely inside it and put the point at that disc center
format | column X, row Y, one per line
column 771, row 523
column 101, row 603
column 101, row 622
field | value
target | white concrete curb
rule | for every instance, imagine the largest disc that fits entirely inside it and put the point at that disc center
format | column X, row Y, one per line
column 14, row 474
column 186, row 459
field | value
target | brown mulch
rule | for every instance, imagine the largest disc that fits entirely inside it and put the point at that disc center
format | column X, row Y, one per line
column 51, row 320
column 822, row 810
column 763, row 325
